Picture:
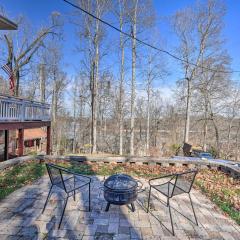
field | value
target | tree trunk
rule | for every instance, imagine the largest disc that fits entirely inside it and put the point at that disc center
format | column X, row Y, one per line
column 81, row 130
column 148, row 107
column 133, row 83
column 101, row 123
column 229, row 138
column 95, row 103
column 237, row 143
column 188, row 111
column 205, row 127
column 148, row 121
column 94, row 111
column 54, row 111
column 16, row 82
column 42, row 83
column 74, row 116
column 121, row 87
column 205, row 130
column 95, row 87
column 217, row 138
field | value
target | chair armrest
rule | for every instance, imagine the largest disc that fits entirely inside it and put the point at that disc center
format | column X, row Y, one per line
column 165, row 176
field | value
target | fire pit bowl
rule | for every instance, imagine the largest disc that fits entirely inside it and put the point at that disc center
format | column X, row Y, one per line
column 120, row 189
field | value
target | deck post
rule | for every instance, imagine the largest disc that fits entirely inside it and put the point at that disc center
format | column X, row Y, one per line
column 6, row 144
column 20, row 142
column 48, row 140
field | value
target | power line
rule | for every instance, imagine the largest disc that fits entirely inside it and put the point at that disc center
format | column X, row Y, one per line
column 145, row 43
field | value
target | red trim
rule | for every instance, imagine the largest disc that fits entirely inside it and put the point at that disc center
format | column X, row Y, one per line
column 23, row 125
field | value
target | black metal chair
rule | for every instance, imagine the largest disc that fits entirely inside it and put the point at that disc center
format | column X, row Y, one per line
column 59, row 177
column 175, row 185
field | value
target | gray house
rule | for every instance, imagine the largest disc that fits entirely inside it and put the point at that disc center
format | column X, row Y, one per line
column 6, row 24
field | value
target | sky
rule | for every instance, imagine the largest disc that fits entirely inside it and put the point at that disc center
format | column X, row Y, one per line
column 38, row 13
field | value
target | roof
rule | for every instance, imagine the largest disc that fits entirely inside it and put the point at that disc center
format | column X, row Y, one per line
column 34, row 133
column 6, row 24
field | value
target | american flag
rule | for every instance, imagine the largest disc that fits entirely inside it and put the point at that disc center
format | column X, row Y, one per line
column 8, row 70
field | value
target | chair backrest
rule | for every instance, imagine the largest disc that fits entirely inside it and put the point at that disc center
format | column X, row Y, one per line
column 55, row 175
column 184, row 181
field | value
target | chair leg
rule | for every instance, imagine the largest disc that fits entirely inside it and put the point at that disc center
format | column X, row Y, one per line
column 193, row 208
column 49, row 195
column 89, row 197
column 133, row 207
column 107, row 207
column 169, row 208
column 74, row 192
column 65, row 204
column 149, row 195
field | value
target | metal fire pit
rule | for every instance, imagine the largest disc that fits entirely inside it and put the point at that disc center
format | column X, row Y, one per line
column 120, row 189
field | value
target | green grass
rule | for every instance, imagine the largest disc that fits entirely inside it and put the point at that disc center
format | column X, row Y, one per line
column 223, row 204
column 227, row 208
column 82, row 169
column 18, row 176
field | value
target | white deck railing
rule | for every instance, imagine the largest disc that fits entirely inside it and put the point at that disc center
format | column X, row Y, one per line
column 17, row 109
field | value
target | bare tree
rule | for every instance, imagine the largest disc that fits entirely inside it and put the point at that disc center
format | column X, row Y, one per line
column 133, row 18
column 57, row 79
column 21, row 52
column 141, row 19
column 155, row 70
column 199, row 32
column 122, row 20
column 232, row 113
column 92, row 33
column 211, row 87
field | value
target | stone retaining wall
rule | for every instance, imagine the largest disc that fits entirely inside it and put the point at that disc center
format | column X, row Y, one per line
column 165, row 162
column 15, row 161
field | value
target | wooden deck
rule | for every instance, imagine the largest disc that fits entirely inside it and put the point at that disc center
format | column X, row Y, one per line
column 14, row 109
column 19, row 114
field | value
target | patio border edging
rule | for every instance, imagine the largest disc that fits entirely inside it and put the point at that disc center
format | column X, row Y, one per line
column 151, row 161
column 15, row 161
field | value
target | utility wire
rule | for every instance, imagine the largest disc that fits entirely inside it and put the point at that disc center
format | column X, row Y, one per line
column 145, row 43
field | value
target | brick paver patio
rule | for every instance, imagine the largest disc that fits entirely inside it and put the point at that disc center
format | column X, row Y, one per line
column 21, row 217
